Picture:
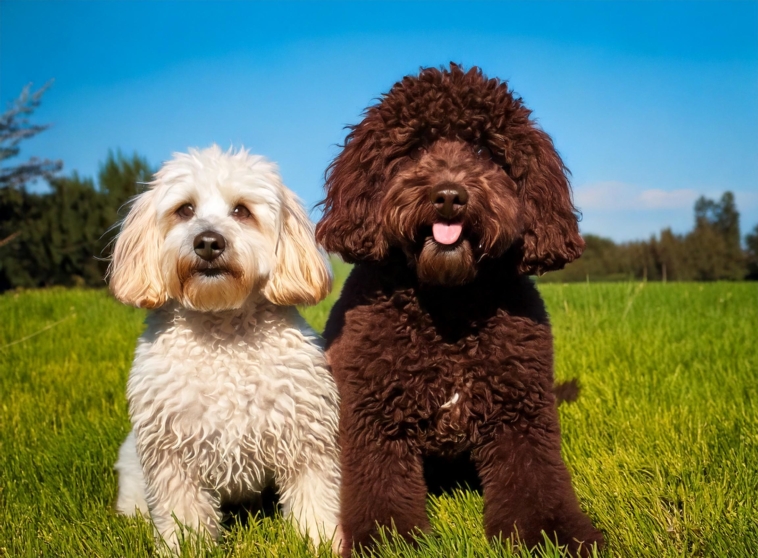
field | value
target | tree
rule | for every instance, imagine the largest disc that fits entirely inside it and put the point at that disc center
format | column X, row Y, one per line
column 65, row 232
column 59, row 238
column 14, row 128
column 120, row 179
column 670, row 261
column 723, row 216
column 714, row 243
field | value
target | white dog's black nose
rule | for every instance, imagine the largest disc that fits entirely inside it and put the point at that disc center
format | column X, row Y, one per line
column 209, row 245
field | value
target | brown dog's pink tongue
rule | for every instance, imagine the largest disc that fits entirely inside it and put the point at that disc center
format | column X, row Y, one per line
column 446, row 233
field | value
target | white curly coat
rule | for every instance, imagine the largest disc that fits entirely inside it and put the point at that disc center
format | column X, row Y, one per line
column 229, row 389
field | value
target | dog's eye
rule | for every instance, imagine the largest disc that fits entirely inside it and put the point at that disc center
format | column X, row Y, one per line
column 483, row 152
column 241, row 212
column 186, row 211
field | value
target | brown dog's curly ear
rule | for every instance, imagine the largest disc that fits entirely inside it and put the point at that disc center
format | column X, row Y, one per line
column 551, row 234
column 351, row 225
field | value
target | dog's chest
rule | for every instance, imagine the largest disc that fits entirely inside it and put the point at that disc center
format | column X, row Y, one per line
column 214, row 371
column 448, row 396
column 443, row 405
column 450, row 414
column 225, row 388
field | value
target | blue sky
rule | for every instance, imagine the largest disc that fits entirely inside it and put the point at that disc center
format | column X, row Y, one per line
column 651, row 104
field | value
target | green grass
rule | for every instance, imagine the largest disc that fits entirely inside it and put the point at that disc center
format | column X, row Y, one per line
column 317, row 315
column 662, row 444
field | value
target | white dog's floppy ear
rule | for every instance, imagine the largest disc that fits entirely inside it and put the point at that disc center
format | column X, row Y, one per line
column 135, row 276
column 301, row 274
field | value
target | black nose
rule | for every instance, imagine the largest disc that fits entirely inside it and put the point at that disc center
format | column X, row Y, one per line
column 448, row 199
column 209, row 245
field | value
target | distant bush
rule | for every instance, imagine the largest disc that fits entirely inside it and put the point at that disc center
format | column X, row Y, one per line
column 62, row 237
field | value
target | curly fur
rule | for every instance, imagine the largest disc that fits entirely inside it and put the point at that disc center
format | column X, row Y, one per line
column 440, row 345
column 229, row 390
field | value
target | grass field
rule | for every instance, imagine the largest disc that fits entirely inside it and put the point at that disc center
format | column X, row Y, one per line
column 662, row 444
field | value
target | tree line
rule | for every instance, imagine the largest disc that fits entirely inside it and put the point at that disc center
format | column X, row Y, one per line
column 711, row 251
column 63, row 236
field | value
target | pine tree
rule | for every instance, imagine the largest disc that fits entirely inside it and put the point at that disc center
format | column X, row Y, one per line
column 714, row 243
column 58, row 246
column 15, row 128
column 17, row 206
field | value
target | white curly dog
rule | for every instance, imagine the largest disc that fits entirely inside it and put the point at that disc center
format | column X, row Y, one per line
column 229, row 389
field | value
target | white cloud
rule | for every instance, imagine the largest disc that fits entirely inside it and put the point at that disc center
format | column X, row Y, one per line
column 661, row 199
column 626, row 212
column 620, row 196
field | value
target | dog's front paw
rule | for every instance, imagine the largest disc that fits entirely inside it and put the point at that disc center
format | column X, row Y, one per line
column 167, row 544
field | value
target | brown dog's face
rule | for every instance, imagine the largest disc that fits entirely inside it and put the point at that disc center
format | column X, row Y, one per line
column 448, row 206
column 450, row 168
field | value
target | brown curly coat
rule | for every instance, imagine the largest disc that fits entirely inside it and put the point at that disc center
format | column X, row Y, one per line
column 443, row 349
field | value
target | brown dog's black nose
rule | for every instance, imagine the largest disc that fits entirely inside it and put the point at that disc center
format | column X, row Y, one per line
column 209, row 245
column 448, row 199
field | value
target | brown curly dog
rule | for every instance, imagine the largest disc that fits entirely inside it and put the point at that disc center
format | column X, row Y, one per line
column 446, row 197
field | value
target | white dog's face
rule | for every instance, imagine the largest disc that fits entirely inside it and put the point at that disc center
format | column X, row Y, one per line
column 214, row 228
column 220, row 222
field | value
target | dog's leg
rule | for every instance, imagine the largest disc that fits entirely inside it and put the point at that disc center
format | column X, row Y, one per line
column 382, row 483
column 175, row 495
column 310, row 496
column 131, row 481
column 527, row 488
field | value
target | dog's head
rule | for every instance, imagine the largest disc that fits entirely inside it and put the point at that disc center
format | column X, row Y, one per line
column 449, row 168
column 213, row 228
